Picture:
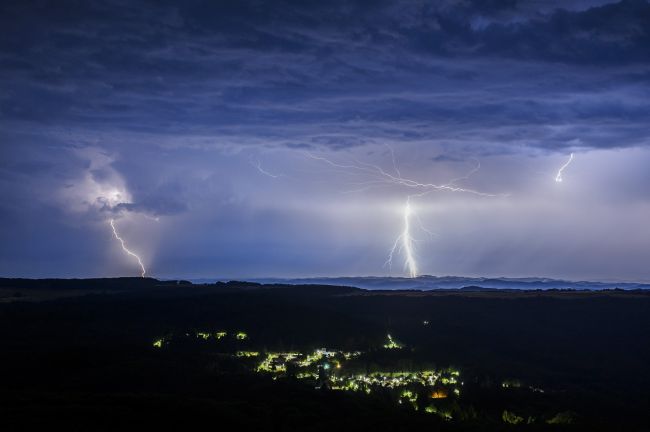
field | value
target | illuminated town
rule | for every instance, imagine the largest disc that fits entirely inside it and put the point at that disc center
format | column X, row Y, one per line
column 432, row 390
column 332, row 369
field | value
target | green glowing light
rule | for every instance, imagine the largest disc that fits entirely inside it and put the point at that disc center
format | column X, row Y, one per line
column 392, row 343
column 247, row 353
column 512, row 418
column 566, row 417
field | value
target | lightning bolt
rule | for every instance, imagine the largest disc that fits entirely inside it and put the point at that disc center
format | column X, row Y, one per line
column 124, row 248
column 558, row 177
column 405, row 243
column 375, row 176
column 380, row 177
column 257, row 164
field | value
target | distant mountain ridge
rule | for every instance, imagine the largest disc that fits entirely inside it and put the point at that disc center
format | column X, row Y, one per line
column 421, row 283
column 426, row 283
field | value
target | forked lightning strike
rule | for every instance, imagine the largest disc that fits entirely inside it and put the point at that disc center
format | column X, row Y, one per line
column 379, row 177
column 124, row 248
column 558, row 177
column 406, row 244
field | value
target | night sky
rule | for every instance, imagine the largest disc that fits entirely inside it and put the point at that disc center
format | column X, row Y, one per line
column 204, row 129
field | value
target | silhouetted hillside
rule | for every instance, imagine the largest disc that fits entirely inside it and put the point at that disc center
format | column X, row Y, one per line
column 166, row 353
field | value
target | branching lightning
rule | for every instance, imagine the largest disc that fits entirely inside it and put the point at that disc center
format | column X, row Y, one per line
column 380, row 177
column 405, row 243
column 124, row 248
column 375, row 176
column 558, row 177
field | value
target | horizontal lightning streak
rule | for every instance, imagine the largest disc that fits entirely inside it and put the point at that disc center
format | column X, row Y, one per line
column 388, row 178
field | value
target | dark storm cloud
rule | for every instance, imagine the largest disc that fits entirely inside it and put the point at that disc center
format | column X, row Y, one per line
column 164, row 200
column 224, row 68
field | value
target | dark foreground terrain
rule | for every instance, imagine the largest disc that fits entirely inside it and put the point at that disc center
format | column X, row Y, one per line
column 115, row 354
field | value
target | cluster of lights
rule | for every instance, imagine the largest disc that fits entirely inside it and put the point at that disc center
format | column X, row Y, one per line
column 392, row 343
column 323, row 364
column 277, row 361
column 438, row 384
column 432, row 409
column 330, row 365
column 516, row 384
column 205, row 335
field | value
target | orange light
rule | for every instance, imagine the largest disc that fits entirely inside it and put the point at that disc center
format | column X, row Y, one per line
column 439, row 394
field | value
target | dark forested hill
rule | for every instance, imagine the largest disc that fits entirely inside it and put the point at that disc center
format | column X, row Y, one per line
column 113, row 353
